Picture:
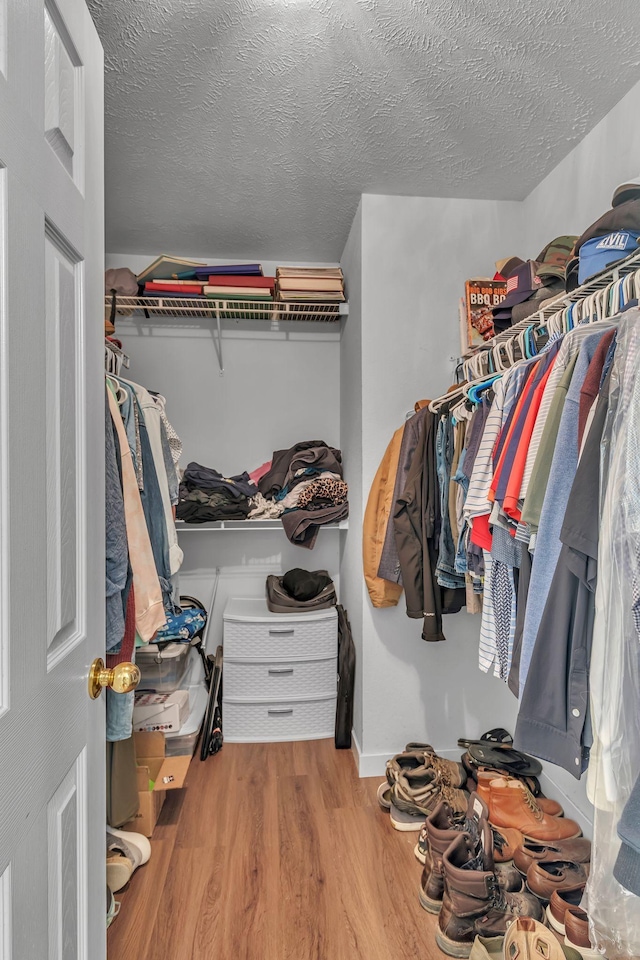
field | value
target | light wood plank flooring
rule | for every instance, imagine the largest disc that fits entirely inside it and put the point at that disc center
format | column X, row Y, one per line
column 275, row 852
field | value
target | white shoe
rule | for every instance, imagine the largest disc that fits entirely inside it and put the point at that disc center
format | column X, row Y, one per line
column 135, row 846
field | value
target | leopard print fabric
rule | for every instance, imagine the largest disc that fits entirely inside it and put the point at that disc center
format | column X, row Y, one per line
column 324, row 491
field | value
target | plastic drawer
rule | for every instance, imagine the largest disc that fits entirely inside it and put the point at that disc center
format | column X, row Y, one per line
column 284, row 720
column 282, row 680
column 275, row 641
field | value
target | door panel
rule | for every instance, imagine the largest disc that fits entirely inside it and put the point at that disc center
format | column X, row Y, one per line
column 63, row 317
column 52, row 806
column 66, row 896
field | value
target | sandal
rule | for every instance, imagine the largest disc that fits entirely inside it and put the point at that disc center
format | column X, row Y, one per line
column 504, row 757
column 497, row 735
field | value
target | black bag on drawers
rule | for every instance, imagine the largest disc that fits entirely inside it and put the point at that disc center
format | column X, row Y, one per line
column 346, row 681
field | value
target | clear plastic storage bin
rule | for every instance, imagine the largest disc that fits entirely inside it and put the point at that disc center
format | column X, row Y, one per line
column 183, row 743
column 162, row 670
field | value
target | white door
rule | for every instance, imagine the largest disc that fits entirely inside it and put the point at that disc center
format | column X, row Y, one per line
column 52, row 869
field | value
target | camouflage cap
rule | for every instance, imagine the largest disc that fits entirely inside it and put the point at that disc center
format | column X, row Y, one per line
column 553, row 259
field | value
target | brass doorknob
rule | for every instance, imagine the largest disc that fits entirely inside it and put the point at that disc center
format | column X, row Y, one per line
column 122, row 679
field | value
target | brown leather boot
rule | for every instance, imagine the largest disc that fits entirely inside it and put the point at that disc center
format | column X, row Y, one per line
column 441, row 828
column 473, row 903
column 551, row 807
column 511, row 804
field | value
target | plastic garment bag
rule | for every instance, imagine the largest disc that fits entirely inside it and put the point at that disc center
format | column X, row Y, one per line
column 615, row 660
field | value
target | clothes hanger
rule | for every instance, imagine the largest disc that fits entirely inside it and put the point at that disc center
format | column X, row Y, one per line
column 473, row 391
column 120, row 392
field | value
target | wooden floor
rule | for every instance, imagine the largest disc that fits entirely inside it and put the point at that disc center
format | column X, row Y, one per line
column 275, row 852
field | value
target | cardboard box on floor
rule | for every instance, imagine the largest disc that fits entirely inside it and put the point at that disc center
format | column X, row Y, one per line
column 156, row 775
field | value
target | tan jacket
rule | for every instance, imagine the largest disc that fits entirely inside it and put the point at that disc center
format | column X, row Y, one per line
column 383, row 593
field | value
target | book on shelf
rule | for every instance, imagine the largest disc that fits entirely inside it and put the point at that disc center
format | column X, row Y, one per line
column 229, row 269
column 480, row 297
column 174, row 281
column 237, row 280
column 237, row 293
column 167, row 268
column 168, row 295
column 334, row 272
column 317, row 284
column 310, row 296
column 168, row 287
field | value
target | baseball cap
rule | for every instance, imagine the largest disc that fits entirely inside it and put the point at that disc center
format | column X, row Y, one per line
column 553, row 259
column 520, row 285
column 598, row 254
column 507, row 266
column 626, row 191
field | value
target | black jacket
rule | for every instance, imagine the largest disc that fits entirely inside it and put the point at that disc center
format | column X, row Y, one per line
column 417, row 526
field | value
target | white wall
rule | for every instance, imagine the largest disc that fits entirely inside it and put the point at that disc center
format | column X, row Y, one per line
column 579, row 190
column 277, row 389
column 351, row 439
column 416, row 253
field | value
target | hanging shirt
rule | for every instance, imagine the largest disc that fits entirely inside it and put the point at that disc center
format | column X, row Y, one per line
column 563, row 469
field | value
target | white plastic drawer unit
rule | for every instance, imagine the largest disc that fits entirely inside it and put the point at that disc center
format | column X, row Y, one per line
column 280, row 720
column 280, row 673
column 252, row 633
column 272, row 681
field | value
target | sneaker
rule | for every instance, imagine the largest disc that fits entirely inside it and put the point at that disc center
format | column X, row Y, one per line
column 119, row 872
column 113, row 907
column 405, row 821
column 404, row 763
column 422, row 846
column 418, row 795
column 384, row 795
column 450, row 773
column 135, row 846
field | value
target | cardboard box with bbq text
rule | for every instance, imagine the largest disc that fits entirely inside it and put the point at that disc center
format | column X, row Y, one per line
column 156, row 774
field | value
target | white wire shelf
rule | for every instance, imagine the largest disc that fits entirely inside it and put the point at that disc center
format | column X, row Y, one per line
column 246, row 525
column 206, row 309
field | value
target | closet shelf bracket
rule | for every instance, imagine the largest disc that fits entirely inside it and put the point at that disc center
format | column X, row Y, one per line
column 218, row 346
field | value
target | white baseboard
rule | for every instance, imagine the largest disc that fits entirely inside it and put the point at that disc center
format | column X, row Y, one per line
column 368, row 765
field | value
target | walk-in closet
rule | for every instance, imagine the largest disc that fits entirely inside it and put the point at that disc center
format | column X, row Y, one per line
column 319, row 512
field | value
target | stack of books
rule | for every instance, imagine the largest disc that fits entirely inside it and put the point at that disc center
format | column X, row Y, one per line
column 242, row 281
column 310, row 284
column 175, row 277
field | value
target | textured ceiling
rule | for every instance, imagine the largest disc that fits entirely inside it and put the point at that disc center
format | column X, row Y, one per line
column 250, row 127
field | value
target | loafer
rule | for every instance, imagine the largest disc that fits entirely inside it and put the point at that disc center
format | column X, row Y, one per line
column 560, row 902
column 529, row 852
column 576, row 923
column 548, row 875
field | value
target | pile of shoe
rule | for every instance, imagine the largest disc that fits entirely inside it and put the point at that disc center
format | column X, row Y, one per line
column 417, row 781
column 126, row 851
column 494, row 849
